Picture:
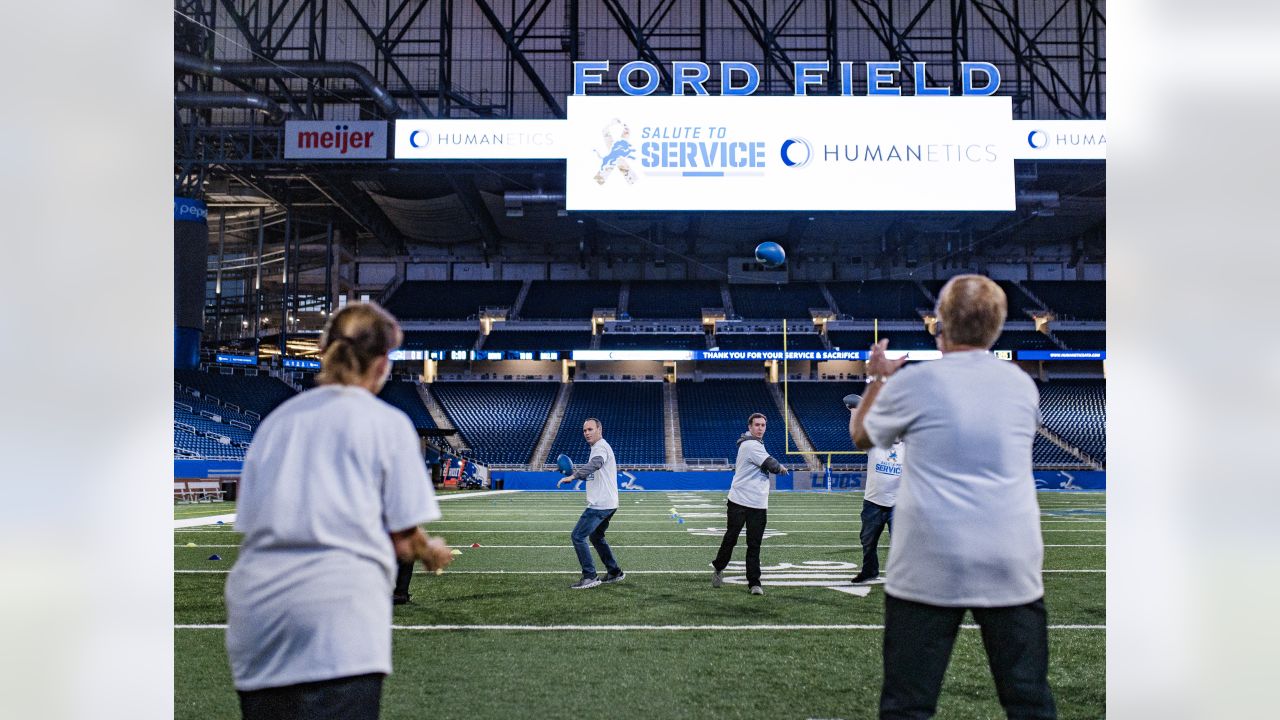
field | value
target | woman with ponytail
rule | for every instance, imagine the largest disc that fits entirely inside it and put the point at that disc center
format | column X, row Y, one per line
column 332, row 494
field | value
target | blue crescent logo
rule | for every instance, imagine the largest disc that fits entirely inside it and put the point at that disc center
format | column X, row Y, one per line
column 786, row 152
column 414, row 142
column 1031, row 139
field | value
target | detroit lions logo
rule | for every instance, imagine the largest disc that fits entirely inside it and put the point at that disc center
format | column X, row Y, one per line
column 618, row 154
column 621, row 149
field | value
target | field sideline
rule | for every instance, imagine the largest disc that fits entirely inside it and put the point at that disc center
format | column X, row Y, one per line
column 499, row 635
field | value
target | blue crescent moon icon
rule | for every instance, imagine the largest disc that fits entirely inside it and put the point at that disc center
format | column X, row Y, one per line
column 413, row 135
column 1031, row 139
column 786, row 158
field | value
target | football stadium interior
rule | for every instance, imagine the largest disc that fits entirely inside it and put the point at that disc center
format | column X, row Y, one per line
column 523, row 316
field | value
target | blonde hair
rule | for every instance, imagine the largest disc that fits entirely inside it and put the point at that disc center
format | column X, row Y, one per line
column 972, row 310
column 353, row 339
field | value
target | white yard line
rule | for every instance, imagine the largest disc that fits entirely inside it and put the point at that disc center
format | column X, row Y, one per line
column 642, row 628
column 210, row 520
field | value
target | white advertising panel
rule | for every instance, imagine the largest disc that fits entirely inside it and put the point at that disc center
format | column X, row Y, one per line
column 480, row 139
column 336, row 139
column 1059, row 140
column 789, row 153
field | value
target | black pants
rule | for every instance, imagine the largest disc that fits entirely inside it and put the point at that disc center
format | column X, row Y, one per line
column 754, row 519
column 404, row 573
column 917, row 647
column 874, row 519
column 349, row 698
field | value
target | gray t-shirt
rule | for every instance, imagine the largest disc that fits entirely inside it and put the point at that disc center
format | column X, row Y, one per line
column 967, row 525
column 329, row 474
column 602, row 485
column 750, row 486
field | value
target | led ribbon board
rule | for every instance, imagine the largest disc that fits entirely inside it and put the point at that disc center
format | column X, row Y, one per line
column 770, row 152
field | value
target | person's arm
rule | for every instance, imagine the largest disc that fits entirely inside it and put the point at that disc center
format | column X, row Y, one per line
column 414, row 544
column 595, row 463
column 879, row 369
column 772, row 465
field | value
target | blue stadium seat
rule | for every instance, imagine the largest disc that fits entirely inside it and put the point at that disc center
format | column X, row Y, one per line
column 500, row 421
column 713, row 414
column 673, row 299
column 1076, row 410
column 260, row 394
column 824, row 417
column 439, row 339
column 450, row 300
column 404, row 396
column 568, row 299
column 777, row 302
column 1083, row 339
column 882, row 299
column 632, row 417
column 1072, row 299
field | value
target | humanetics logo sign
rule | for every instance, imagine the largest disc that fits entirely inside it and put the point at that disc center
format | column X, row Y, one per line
column 335, row 139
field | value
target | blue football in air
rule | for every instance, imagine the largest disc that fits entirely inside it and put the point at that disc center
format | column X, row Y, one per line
column 770, row 254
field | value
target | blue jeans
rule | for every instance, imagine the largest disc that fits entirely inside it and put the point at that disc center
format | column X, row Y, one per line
column 591, row 526
column 874, row 519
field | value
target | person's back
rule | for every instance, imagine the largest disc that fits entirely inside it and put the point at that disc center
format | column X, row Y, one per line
column 332, row 442
column 968, row 530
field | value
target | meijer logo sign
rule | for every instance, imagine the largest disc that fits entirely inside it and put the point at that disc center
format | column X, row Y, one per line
column 336, row 139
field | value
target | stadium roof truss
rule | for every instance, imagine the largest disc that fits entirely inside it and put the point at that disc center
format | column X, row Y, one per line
column 243, row 66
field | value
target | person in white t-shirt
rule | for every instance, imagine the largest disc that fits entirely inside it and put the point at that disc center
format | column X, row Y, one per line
column 332, row 494
column 968, row 524
column 601, row 474
column 884, row 472
column 748, row 503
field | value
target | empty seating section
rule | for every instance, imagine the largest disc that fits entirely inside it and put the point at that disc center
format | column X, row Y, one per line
column 795, row 341
column 440, row 339
column 500, row 421
column 457, row 300
column 898, row 339
column 189, row 444
column 883, row 299
column 203, row 424
column 824, row 417
column 789, row 301
column 673, row 299
column 568, row 299
column 260, row 393
column 1076, row 410
column 632, row 417
column 199, row 405
column 1072, row 299
column 404, row 395
column 713, row 414
column 1083, row 339
column 1024, row 340
column 1017, row 301
column 537, row 340
column 652, row 341
column 1045, row 453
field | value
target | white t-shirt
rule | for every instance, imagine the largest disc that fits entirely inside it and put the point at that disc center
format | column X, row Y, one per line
column 329, row 474
column 884, row 473
column 602, row 485
column 967, row 525
column 750, row 487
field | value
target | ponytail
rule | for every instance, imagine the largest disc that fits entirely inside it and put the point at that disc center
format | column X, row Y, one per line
column 353, row 339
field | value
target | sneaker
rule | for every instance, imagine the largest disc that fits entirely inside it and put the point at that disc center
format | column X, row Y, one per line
column 397, row 599
column 585, row 583
column 622, row 575
column 717, row 578
column 757, row 590
column 866, row 580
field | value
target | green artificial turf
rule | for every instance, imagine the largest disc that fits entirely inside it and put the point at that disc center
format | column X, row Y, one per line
column 649, row 672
